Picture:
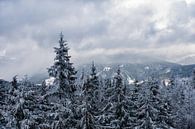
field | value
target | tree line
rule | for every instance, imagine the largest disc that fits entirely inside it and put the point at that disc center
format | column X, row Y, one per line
column 93, row 103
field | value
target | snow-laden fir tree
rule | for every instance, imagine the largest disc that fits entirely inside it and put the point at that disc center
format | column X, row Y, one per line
column 176, row 94
column 14, row 85
column 184, row 104
column 63, row 70
column 121, row 111
column 116, row 114
column 146, row 112
column 91, row 104
column 64, row 95
column 24, row 109
column 94, row 90
column 152, row 111
column 17, row 109
column 134, row 102
column 87, row 120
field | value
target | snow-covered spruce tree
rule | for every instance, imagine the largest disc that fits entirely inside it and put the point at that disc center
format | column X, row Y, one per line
column 184, row 103
column 152, row 111
column 146, row 113
column 4, row 102
column 22, row 111
column 94, row 90
column 181, row 96
column 87, row 111
column 168, row 93
column 18, row 109
column 116, row 113
column 91, row 103
column 14, row 85
column 63, row 71
column 43, row 88
column 94, row 77
column 191, row 105
column 65, row 76
column 14, row 109
column 134, row 102
column 176, row 94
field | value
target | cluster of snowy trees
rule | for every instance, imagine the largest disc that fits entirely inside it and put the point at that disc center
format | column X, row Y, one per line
column 93, row 103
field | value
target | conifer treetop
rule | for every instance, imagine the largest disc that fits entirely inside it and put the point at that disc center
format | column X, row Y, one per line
column 93, row 69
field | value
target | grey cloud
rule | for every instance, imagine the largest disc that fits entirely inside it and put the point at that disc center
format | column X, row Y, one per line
column 192, row 10
column 29, row 28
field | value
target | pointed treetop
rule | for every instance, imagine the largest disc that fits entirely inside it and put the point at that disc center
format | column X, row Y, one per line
column 61, row 41
column 61, row 34
column 15, row 77
column 83, row 74
column 93, row 69
column 93, row 65
column 118, row 71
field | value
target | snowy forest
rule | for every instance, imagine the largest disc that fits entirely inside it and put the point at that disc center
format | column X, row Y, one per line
column 69, row 101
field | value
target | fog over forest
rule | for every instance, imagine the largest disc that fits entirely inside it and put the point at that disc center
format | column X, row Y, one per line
column 97, row 64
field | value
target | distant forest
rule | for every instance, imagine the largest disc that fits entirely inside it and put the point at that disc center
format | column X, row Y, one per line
column 65, row 101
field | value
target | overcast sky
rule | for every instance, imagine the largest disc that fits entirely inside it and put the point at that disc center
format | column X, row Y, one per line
column 102, row 30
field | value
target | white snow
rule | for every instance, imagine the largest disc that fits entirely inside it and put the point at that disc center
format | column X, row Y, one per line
column 168, row 70
column 121, row 66
column 166, row 82
column 39, row 84
column 147, row 67
column 49, row 81
column 106, row 69
column 130, row 80
column 140, row 82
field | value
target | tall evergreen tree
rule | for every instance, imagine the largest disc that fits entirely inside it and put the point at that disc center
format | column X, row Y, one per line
column 134, row 102
column 152, row 111
column 146, row 112
column 14, row 85
column 63, row 69
column 65, row 77
column 87, row 121
column 91, row 102
column 95, row 89
column 116, row 113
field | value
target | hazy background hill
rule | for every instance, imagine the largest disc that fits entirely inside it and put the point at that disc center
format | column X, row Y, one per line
column 131, row 71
